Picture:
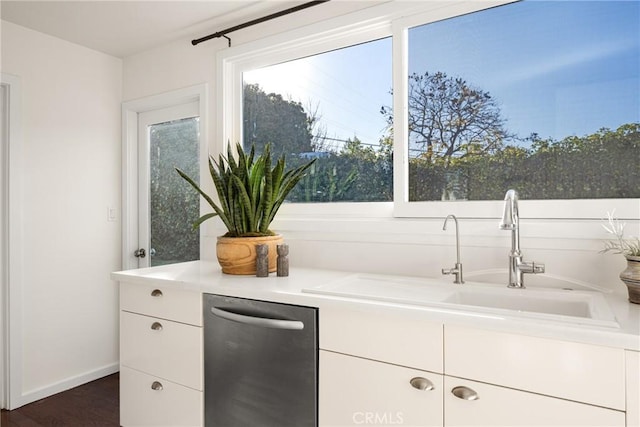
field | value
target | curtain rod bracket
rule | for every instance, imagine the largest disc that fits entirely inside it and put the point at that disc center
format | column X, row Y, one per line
column 256, row 21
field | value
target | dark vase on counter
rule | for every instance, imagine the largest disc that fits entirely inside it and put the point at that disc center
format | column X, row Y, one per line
column 631, row 277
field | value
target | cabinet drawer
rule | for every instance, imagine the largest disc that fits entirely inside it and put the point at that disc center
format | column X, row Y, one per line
column 173, row 405
column 580, row 372
column 170, row 350
column 162, row 301
column 355, row 391
column 400, row 337
column 498, row 406
column 633, row 388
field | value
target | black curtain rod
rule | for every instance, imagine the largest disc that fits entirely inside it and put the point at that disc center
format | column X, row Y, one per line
column 224, row 32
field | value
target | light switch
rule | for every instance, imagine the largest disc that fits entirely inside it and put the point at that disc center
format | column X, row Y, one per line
column 112, row 214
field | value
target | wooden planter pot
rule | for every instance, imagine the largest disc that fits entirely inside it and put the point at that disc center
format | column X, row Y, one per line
column 237, row 255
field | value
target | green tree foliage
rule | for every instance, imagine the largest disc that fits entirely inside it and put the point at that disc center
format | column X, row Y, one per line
column 375, row 169
column 323, row 182
column 600, row 165
column 358, row 173
column 466, row 152
column 271, row 118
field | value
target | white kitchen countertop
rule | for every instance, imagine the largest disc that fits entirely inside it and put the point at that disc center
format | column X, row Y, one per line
column 206, row 277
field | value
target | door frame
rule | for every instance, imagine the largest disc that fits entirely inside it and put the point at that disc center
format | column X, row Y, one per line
column 130, row 112
column 11, row 396
column 146, row 119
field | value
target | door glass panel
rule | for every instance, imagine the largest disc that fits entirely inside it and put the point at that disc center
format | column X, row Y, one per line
column 173, row 208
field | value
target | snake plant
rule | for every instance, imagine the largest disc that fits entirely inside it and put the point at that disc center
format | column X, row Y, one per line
column 250, row 191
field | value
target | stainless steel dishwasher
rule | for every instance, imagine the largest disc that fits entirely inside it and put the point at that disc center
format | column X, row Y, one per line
column 261, row 363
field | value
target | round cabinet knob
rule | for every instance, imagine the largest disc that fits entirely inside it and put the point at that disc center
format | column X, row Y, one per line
column 156, row 326
column 465, row 393
column 156, row 386
column 421, row 383
column 156, row 293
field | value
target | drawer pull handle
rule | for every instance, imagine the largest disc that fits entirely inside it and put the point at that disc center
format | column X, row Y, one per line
column 465, row 393
column 157, row 386
column 156, row 293
column 156, row 326
column 421, row 384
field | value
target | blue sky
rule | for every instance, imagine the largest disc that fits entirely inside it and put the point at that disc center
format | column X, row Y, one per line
column 348, row 86
column 557, row 68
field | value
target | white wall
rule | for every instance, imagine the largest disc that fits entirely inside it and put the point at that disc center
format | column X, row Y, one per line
column 3, row 238
column 71, row 99
column 381, row 244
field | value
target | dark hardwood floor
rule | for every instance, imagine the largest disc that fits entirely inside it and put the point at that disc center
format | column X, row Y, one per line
column 89, row 405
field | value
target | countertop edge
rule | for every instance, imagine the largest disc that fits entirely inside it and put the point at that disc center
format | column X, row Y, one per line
column 206, row 277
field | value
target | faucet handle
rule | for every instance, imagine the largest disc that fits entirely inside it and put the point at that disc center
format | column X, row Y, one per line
column 538, row 267
column 456, row 271
column 531, row 267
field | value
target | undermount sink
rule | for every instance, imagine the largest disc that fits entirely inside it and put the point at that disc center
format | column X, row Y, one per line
column 525, row 301
column 497, row 301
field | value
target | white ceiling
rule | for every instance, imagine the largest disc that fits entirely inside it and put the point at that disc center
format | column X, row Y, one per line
column 122, row 28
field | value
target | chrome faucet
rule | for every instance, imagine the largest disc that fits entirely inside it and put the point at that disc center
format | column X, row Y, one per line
column 511, row 222
column 457, row 270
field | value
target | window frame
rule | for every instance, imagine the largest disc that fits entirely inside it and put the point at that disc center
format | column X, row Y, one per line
column 388, row 19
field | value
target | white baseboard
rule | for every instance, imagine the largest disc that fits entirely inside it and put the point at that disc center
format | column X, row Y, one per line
column 66, row 384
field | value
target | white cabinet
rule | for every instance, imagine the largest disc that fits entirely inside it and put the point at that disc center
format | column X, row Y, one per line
column 384, row 366
column 470, row 403
column 163, row 301
column 148, row 400
column 633, row 388
column 161, row 356
column 168, row 349
column 379, row 368
column 580, row 372
column 516, row 380
column 479, row 378
column 356, row 391
column 397, row 336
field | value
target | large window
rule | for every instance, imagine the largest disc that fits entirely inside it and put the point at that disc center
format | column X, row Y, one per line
column 540, row 96
column 326, row 107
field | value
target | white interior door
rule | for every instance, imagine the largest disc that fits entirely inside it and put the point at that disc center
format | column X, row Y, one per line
column 168, row 138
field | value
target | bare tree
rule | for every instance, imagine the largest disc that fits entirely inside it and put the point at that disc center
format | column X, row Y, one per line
column 449, row 118
column 318, row 130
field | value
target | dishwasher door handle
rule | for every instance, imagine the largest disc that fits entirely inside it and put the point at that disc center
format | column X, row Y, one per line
column 264, row 322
